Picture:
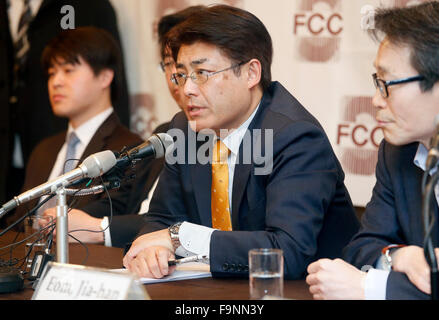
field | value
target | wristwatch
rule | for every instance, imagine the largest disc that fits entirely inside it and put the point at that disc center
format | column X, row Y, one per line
column 387, row 257
column 173, row 232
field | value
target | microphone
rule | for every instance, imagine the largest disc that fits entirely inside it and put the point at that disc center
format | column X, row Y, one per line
column 156, row 146
column 433, row 154
column 93, row 166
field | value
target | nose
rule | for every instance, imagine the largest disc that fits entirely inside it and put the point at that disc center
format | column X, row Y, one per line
column 190, row 88
column 378, row 101
column 56, row 79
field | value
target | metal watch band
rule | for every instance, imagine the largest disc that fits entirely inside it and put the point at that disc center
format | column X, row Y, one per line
column 173, row 232
column 386, row 253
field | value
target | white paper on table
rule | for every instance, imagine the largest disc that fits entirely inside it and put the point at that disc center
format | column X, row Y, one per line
column 184, row 271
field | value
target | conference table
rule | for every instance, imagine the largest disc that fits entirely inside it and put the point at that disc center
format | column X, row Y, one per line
column 193, row 289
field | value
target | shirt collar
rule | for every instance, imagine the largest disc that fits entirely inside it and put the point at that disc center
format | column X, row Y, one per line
column 88, row 129
column 234, row 139
column 420, row 159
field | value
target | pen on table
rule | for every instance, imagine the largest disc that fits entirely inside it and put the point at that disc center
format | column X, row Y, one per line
column 188, row 259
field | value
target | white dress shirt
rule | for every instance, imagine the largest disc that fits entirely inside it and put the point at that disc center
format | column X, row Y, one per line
column 376, row 279
column 194, row 238
column 85, row 133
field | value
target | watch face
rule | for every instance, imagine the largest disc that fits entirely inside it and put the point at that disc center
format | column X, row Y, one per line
column 175, row 227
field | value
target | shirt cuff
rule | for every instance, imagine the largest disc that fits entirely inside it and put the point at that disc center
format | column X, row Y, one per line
column 106, row 229
column 194, row 239
column 375, row 284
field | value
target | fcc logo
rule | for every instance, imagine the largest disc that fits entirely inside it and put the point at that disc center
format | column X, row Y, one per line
column 358, row 136
column 318, row 25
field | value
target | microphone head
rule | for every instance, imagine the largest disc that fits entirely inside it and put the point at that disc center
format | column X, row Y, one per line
column 99, row 163
column 162, row 143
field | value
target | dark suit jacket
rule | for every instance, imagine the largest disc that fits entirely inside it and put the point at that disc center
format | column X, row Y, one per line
column 124, row 226
column 111, row 135
column 302, row 206
column 32, row 116
column 393, row 216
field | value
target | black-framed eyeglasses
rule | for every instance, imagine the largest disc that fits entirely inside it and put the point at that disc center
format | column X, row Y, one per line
column 383, row 84
column 201, row 76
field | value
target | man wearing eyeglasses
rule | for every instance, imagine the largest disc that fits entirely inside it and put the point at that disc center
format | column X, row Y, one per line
column 407, row 99
column 223, row 208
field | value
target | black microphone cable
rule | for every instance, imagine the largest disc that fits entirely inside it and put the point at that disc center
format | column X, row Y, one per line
column 429, row 223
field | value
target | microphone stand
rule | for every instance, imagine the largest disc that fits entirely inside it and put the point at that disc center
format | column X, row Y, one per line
column 429, row 222
column 62, row 243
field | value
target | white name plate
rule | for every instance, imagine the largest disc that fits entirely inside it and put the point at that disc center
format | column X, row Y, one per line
column 74, row 282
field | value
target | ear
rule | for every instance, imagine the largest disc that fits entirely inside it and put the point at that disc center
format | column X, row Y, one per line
column 254, row 73
column 106, row 77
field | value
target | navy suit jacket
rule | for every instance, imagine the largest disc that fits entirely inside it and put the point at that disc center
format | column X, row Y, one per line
column 302, row 206
column 393, row 216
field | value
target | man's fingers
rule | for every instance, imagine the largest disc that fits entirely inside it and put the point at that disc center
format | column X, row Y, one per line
column 163, row 258
column 318, row 265
column 153, row 264
column 421, row 282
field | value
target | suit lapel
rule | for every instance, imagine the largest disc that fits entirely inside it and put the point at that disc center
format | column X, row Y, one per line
column 100, row 138
column 201, row 176
column 43, row 6
column 240, row 179
column 412, row 184
column 50, row 157
column 243, row 170
column 202, row 179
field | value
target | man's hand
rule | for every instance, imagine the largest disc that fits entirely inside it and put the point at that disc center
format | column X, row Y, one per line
column 78, row 219
column 335, row 279
column 411, row 261
column 149, row 255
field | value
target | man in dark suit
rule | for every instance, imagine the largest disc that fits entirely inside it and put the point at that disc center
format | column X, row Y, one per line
column 81, row 65
column 124, row 228
column 289, row 194
column 27, row 117
column 392, row 233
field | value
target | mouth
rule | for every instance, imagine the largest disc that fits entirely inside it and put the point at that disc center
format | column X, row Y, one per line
column 383, row 122
column 57, row 97
column 195, row 111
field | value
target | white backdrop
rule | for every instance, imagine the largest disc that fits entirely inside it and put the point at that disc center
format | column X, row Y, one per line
column 322, row 55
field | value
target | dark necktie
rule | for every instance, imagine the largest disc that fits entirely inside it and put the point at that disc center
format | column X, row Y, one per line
column 21, row 44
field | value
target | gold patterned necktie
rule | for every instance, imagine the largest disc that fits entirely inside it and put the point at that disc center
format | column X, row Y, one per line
column 220, row 188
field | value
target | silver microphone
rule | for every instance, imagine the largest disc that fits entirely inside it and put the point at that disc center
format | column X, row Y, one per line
column 93, row 166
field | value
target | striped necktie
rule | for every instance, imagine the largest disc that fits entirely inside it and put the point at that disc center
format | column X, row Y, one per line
column 70, row 162
column 220, row 188
column 68, row 165
column 21, row 45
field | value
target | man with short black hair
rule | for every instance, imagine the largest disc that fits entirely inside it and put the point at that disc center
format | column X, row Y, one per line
column 83, row 74
column 392, row 233
column 290, row 195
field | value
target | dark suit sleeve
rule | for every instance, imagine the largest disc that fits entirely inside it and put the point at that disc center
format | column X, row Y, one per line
column 399, row 287
column 380, row 226
column 123, row 229
column 298, row 192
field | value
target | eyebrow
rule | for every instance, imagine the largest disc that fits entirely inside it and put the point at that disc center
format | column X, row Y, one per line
column 381, row 70
column 199, row 61
column 193, row 63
